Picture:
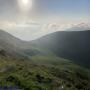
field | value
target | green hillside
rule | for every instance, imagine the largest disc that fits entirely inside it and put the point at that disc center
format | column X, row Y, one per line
column 43, row 73
column 35, row 65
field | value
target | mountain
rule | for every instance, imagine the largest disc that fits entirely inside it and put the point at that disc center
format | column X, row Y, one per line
column 72, row 45
column 11, row 45
column 15, row 47
column 41, row 64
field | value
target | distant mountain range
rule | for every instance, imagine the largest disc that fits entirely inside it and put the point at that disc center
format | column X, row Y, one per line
column 72, row 45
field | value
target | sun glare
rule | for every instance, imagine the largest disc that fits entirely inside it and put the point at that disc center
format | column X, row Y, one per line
column 25, row 4
column 25, row 1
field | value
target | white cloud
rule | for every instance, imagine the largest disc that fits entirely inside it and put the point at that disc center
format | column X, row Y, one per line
column 33, row 29
column 62, row 26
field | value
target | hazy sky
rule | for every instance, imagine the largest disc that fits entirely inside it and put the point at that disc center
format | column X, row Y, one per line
column 29, row 19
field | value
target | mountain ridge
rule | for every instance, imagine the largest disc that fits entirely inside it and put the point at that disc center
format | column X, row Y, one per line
column 72, row 45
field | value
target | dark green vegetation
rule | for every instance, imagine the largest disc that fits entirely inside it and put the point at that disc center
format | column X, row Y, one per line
column 43, row 73
column 38, row 65
column 73, row 45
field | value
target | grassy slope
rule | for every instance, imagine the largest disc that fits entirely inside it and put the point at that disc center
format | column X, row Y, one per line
column 43, row 73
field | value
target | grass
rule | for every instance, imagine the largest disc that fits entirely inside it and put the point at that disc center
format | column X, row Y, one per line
column 43, row 73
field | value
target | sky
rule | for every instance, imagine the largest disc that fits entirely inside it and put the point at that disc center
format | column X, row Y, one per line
column 31, row 19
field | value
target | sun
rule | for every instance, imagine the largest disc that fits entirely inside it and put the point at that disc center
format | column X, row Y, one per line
column 25, row 4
